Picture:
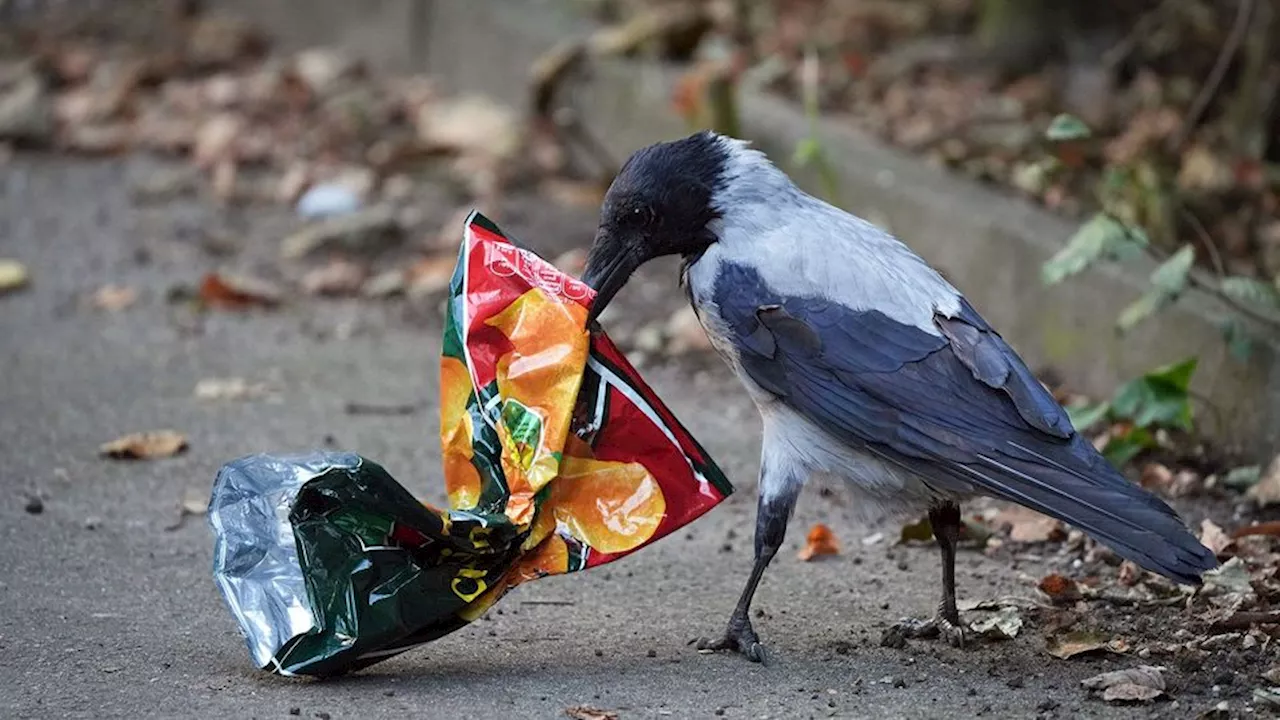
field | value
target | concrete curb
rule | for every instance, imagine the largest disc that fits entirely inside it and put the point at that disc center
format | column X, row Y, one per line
column 989, row 245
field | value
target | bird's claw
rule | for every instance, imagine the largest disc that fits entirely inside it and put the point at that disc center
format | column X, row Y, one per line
column 740, row 639
column 953, row 633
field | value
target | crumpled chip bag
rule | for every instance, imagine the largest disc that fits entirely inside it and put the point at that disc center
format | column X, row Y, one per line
column 556, row 455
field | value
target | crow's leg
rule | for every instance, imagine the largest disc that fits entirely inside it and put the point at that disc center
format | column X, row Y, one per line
column 945, row 520
column 779, row 488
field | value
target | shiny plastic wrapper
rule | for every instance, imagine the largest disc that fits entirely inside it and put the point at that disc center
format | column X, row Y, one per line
column 556, row 456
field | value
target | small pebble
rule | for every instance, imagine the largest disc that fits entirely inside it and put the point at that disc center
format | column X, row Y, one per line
column 599, row 653
column 295, row 711
column 92, row 523
column 34, row 505
column 652, row 653
column 323, row 715
column 1047, row 705
column 1014, row 682
column 899, row 682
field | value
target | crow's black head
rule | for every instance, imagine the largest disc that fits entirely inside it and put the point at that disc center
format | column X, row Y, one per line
column 659, row 204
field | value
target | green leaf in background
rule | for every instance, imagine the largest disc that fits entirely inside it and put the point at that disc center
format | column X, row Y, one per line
column 807, row 150
column 1251, row 291
column 1123, row 449
column 1238, row 338
column 1102, row 236
column 1243, row 478
column 1067, row 127
column 1160, row 398
column 1167, row 282
column 1144, row 307
column 1086, row 416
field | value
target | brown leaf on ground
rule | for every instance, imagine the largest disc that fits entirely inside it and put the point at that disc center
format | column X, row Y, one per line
column 238, row 292
column 470, row 125
column 1077, row 642
column 1060, row 589
column 114, row 298
column 587, row 712
column 13, row 275
column 820, row 541
column 339, row 277
column 430, row 276
column 216, row 138
column 1140, row 684
column 1029, row 526
column 194, row 503
column 1214, row 537
column 1267, row 490
column 145, row 445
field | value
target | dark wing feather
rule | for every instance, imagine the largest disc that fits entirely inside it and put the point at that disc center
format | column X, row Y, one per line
column 958, row 408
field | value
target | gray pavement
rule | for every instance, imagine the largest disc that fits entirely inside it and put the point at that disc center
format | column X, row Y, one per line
column 106, row 613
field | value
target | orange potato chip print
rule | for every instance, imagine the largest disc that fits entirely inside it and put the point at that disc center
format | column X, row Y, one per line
column 611, row 506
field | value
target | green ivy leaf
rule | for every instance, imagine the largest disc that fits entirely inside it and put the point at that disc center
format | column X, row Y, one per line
column 1086, row 416
column 1100, row 237
column 1066, row 127
column 1251, row 291
column 1158, row 399
column 1148, row 304
column 1120, row 451
column 1167, row 282
column 1238, row 338
column 1243, row 478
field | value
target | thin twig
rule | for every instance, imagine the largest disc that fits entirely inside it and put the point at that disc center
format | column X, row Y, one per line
column 1214, row 80
column 1205, row 238
column 1200, row 284
column 1142, row 28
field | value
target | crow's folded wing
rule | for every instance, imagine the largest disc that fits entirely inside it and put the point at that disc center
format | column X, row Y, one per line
column 958, row 408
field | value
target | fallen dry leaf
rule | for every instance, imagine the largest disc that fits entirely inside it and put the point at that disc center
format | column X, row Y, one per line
column 431, row 275
column 339, row 277
column 364, row 231
column 919, row 531
column 587, row 712
column 1213, row 537
column 1060, row 589
column 114, row 298
column 469, row 125
column 216, row 138
column 194, row 503
column 1077, row 642
column 821, row 541
column 13, row 275
column 145, row 445
column 1004, row 625
column 1140, row 684
column 228, row 389
column 1267, row 490
column 238, row 292
column 1029, row 526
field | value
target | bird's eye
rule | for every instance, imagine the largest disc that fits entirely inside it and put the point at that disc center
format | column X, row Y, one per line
column 638, row 216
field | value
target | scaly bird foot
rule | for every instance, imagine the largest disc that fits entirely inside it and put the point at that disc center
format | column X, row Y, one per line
column 739, row 638
column 897, row 635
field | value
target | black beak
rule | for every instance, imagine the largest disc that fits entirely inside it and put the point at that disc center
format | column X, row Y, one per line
column 609, row 265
